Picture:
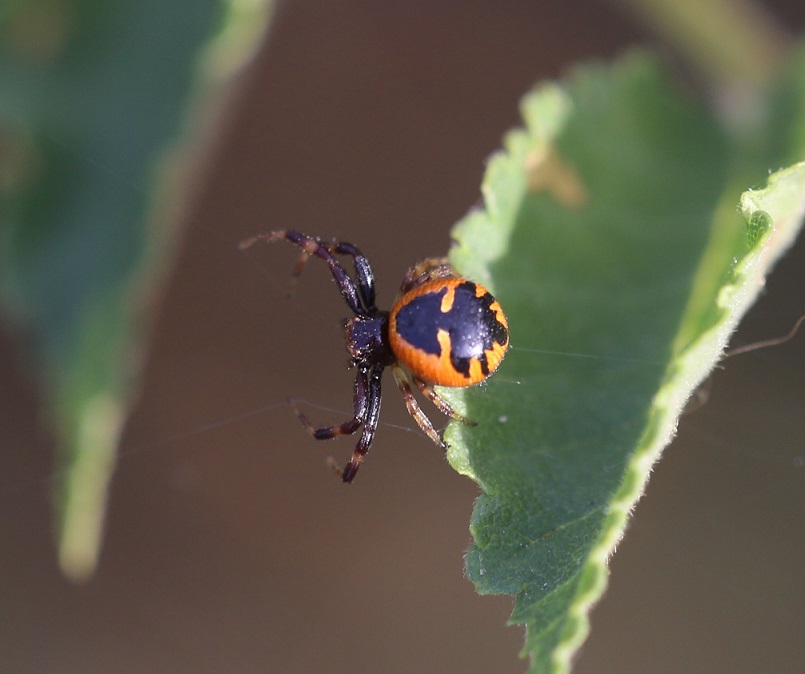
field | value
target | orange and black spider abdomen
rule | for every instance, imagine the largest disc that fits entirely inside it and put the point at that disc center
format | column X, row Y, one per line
column 449, row 332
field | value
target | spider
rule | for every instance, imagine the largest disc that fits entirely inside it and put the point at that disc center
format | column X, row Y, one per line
column 442, row 330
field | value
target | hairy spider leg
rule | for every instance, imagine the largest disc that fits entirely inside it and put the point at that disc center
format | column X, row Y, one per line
column 369, row 426
column 360, row 402
column 312, row 246
column 363, row 271
column 401, row 377
column 444, row 407
column 429, row 269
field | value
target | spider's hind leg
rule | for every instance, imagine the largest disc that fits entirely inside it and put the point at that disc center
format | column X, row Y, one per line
column 429, row 269
column 444, row 407
column 414, row 409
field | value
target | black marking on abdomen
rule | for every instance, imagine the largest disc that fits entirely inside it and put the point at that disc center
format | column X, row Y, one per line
column 472, row 325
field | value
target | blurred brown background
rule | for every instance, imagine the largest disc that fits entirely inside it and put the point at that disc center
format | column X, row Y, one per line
column 230, row 546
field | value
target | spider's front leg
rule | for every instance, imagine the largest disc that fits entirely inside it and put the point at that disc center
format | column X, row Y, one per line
column 369, row 427
column 360, row 400
column 363, row 272
column 312, row 246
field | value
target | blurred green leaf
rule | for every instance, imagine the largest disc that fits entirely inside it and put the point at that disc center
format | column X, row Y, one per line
column 95, row 123
column 611, row 237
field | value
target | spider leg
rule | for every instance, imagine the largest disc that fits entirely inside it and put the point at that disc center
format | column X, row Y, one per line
column 297, row 272
column 444, row 407
column 363, row 272
column 312, row 246
column 369, row 426
column 360, row 401
column 413, row 406
column 429, row 269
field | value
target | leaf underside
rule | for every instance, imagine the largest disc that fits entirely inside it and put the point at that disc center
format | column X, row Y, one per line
column 606, row 238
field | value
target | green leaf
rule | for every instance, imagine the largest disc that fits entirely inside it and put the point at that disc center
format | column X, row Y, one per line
column 611, row 238
column 94, row 103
